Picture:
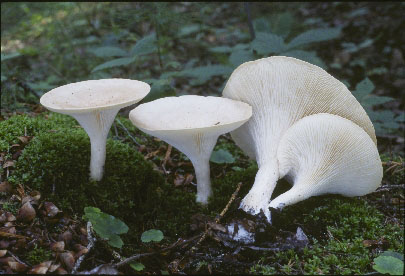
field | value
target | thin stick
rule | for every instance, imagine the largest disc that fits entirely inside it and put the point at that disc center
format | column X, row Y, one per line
column 137, row 256
column 221, row 215
column 90, row 245
column 167, row 155
column 251, row 29
column 127, row 131
column 387, row 188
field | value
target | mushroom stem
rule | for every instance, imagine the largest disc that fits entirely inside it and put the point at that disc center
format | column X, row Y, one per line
column 259, row 196
column 202, row 172
column 296, row 194
column 97, row 124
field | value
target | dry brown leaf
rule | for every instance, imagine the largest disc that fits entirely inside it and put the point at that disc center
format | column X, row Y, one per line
column 189, row 178
column 67, row 259
column 27, row 212
column 60, row 270
column 25, row 139
column 179, row 180
column 8, row 163
column 50, row 209
column 58, row 246
column 10, row 217
column 41, row 268
column 3, row 252
column 5, row 187
column 65, row 236
column 17, row 267
column 54, row 267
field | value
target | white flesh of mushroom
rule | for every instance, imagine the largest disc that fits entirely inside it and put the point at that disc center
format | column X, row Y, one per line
column 192, row 124
column 94, row 104
column 327, row 154
column 282, row 90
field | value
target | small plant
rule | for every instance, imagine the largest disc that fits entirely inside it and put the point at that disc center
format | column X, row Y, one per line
column 106, row 226
column 389, row 262
column 152, row 235
column 38, row 255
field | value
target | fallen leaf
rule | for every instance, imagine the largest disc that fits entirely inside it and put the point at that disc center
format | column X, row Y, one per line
column 17, row 267
column 50, row 209
column 67, row 259
column 54, row 267
column 60, row 270
column 189, row 178
column 25, row 139
column 8, row 163
column 179, row 179
column 10, row 217
column 66, row 236
column 5, row 187
column 58, row 246
column 27, row 212
column 3, row 253
column 41, row 268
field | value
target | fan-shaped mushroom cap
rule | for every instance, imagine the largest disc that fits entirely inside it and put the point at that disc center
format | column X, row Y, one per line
column 327, row 154
column 91, row 95
column 282, row 90
column 192, row 124
column 94, row 104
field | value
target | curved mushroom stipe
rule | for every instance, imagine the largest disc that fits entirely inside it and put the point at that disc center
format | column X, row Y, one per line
column 281, row 91
column 327, row 154
column 94, row 104
column 192, row 124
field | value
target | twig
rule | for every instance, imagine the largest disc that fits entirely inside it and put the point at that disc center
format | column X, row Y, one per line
column 221, row 215
column 387, row 188
column 167, row 155
column 127, row 131
column 15, row 236
column 16, row 258
column 137, row 256
column 251, row 29
column 90, row 245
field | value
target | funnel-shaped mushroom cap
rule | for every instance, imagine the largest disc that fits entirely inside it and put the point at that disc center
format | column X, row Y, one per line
column 282, row 90
column 327, row 154
column 192, row 124
column 91, row 95
column 94, row 104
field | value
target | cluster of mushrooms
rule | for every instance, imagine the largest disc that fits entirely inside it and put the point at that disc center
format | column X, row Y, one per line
column 292, row 117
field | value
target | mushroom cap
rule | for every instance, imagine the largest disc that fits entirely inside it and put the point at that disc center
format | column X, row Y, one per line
column 282, row 90
column 190, row 113
column 92, row 95
column 325, row 153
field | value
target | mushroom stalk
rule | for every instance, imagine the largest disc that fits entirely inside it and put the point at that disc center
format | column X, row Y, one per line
column 202, row 173
column 97, row 124
column 259, row 195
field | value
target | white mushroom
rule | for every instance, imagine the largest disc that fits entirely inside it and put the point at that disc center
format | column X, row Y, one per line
column 282, row 90
column 94, row 104
column 327, row 154
column 192, row 124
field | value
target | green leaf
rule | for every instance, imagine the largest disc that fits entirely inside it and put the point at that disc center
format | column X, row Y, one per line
column 137, row 266
column 152, row 235
column 377, row 71
column 268, row 43
column 240, row 56
column 222, row 156
column 204, row 73
column 315, row 35
column 220, row 49
column 164, row 272
column 393, row 254
column 5, row 57
column 108, row 51
column 389, row 264
column 114, row 63
column 106, row 226
column 308, row 56
column 261, row 24
column 363, row 88
column 144, row 46
column 188, row 29
column 375, row 100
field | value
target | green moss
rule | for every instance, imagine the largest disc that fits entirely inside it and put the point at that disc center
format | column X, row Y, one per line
column 21, row 125
column 396, row 174
column 337, row 228
column 38, row 255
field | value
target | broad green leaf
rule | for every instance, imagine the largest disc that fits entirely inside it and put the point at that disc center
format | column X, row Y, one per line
column 222, row 156
column 106, row 226
column 261, row 24
column 188, row 29
column 137, row 266
column 308, row 56
column 204, row 73
column 268, row 43
column 363, row 88
column 377, row 71
column 282, row 24
column 315, row 35
column 240, row 56
column 389, row 264
column 145, row 45
column 5, row 57
column 393, row 254
column 114, row 63
column 375, row 100
column 221, row 49
column 108, row 51
column 152, row 235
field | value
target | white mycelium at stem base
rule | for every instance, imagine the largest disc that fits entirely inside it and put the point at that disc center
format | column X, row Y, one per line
column 94, row 104
column 327, row 154
column 282, row 90
column 192, row 124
